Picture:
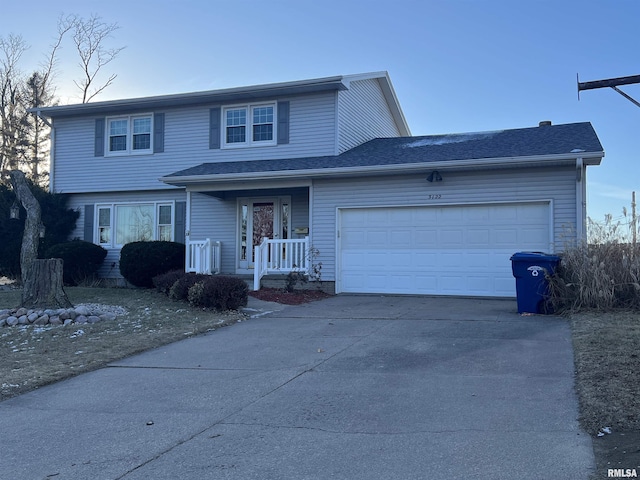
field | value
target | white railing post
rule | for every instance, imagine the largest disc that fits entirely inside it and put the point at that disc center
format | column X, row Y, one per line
column 260, row 262
column 216, row 257
column 203, row 256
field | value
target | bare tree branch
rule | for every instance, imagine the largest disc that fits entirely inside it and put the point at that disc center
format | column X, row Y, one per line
column 11, row 106
column 89, row 37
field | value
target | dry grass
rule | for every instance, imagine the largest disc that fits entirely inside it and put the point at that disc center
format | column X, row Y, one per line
column 607, row 359
column 602, row 274
column 603, row 277
column 32, row 356
column 607, row 362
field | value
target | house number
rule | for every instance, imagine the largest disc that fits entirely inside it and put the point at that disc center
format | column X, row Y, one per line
column 435, row 197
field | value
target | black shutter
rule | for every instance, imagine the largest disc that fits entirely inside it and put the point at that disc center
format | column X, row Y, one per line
column 283, row 123
column 99, row 138
column 88, row 223
column 180, row 222
column 158, row 133
column 214, row 128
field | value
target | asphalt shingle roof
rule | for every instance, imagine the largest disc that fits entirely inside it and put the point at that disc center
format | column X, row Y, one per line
column 547, row 140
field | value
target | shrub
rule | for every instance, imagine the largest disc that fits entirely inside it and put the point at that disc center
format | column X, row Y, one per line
column 603, row 274
column 165, row 281
column 219, row 292
column 81, row 260
column 180, row 288
column 601, row 277
column 141, row 261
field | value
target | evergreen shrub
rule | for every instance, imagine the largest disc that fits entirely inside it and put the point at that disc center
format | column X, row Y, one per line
column 81, row 260
column 180, row 288
column 141, row 261
column 219, row 292
column 165, row 281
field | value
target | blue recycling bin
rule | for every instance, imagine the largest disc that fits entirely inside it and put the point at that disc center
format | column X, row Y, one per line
column 530, row 270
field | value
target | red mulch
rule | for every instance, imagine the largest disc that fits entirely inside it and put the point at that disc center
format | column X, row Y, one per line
column 289, row 298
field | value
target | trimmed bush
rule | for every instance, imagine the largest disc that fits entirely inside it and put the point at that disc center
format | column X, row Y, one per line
column 180, row 288
column 219, row 292
column 165, row 281
column 81, row 260
column 141, row 261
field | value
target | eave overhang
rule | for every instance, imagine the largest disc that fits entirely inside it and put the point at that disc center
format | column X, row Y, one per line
column 229, row 95
column 211, row 180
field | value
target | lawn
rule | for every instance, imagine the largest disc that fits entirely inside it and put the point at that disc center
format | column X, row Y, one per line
column 607, row 362
column 33, row 356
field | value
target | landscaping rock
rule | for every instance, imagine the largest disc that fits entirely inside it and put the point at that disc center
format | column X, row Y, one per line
column 82, row 314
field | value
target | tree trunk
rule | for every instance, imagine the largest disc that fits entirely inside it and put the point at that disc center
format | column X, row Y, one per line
column 44, row 286
column 31, row 235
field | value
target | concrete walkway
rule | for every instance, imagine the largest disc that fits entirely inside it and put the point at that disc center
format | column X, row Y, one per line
column 352, row 387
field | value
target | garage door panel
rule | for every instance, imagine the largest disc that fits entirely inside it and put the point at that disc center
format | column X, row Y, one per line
column 426, row 237
column 459, row 250
column 451, row 237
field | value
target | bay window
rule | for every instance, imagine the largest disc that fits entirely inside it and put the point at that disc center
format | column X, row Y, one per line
column 119, row 224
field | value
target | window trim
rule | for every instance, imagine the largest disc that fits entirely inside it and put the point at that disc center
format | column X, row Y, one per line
column 249, row 141
column 112, row 218
column 129, row 135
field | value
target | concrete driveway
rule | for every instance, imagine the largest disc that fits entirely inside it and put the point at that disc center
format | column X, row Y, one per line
column 352, row 387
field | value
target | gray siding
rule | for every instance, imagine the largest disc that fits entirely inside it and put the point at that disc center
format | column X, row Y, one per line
column 111, row 265
column 459, row 188
column 363, row 114
column 312, row 125
column 299, row 214
column 218, row 220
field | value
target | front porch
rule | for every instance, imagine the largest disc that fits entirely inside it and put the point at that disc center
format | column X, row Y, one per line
column 276, row 257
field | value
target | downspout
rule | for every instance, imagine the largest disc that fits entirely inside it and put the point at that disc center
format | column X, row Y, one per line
column 52, row 141
column 187, row 232
column 581, row 203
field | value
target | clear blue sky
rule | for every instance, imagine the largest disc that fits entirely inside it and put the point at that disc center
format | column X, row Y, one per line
column 456, row 65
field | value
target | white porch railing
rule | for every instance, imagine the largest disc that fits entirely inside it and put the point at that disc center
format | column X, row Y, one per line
column 280, row 256
column 203, row 256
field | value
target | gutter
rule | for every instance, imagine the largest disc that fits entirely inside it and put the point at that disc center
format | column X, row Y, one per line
column 593, row 158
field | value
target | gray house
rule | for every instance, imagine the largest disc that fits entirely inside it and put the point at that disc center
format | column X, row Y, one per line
column 267, row 179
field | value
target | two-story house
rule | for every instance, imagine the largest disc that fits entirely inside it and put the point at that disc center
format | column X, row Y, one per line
column 269, row 178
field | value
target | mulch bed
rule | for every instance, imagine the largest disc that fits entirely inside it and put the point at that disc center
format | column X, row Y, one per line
column 296, row 297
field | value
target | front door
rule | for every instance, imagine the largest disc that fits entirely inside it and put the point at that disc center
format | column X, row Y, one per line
column 260, row 218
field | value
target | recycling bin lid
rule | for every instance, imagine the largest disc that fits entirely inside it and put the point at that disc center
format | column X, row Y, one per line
column 534, row 256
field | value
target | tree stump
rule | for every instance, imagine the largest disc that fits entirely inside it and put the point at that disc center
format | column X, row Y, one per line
column 41, row 279
column 43, row 287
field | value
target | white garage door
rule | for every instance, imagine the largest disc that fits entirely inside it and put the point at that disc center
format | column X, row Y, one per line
column 451, row 250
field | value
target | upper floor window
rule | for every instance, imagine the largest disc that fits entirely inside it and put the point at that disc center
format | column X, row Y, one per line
column 129, row 135
column 249, row 125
